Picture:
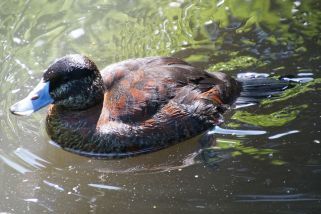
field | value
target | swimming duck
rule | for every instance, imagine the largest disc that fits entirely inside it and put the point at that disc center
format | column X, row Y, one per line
column 131, row 107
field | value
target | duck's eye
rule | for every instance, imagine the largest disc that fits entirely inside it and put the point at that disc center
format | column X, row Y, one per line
column 65, row 79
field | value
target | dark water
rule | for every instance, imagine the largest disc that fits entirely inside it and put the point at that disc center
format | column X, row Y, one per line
column 275, row 172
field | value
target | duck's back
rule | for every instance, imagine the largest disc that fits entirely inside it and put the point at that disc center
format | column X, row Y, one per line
column 138, row 89
column 150, row 103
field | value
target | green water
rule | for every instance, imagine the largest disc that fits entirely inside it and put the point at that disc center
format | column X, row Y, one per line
column 277, row 172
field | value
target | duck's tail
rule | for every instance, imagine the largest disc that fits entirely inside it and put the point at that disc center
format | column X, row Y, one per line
column 256, row 87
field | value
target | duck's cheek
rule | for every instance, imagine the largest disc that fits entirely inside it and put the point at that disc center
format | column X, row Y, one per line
column 39, row 97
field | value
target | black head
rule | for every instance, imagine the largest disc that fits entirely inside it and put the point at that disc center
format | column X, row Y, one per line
column 72, row 82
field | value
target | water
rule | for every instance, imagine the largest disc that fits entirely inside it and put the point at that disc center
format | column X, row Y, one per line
column 264, row 159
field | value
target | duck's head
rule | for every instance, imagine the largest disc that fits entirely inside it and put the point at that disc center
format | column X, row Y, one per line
column 72, row 82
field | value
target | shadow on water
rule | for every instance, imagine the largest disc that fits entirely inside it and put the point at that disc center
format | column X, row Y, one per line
column 264, row 158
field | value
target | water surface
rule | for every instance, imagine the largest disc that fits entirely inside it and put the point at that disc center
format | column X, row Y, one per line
column 265, row 158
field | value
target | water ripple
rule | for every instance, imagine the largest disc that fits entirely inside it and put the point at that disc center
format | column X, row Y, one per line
column 30, row 158
column 104, row 186
column 17, row 167
column 187, row 161
column 278, row 198
column 219, row 130
column 283, row 134
column 56, row 186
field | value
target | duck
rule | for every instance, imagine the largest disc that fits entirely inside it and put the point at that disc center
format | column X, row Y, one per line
column 128, row 108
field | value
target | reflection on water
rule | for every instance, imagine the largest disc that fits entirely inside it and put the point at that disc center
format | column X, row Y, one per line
column 262, row 154
column 219, row 130
column 103, row 186
column 14, row 165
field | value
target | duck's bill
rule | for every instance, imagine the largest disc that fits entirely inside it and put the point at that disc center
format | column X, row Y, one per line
column 39, row 97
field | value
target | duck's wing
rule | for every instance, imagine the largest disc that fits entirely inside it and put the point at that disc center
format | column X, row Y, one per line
column 136, row 89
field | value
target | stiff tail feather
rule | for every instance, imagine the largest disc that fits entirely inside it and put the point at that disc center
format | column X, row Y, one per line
column 256, row 87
